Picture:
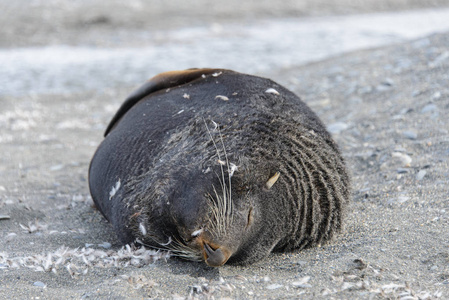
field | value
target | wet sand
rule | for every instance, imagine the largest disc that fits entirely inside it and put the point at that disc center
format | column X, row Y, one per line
column 387, row 109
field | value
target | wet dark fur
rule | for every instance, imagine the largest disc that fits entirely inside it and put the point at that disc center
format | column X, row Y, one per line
column 165, row 150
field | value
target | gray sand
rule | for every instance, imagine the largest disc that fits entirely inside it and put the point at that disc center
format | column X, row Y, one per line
column 387, row 108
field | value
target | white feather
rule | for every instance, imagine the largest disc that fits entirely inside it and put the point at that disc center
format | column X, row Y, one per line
column 114, row 189
column 197, row 232
column 272, row 91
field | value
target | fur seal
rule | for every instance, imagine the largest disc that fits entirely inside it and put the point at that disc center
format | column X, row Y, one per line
column 219, row 166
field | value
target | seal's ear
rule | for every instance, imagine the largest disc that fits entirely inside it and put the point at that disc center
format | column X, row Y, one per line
column 159, row 82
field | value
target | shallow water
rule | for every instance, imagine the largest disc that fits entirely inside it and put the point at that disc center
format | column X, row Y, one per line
column 247, row 47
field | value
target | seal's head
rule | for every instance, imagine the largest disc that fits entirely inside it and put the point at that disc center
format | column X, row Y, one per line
column 207, row 212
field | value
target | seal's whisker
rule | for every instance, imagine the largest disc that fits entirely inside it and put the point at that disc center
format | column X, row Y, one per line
column 167, row 243
column 218, row 212
column 176, row 253
column 215, row 146
column 151, row 246
column 180, row 247
column 215, row 212
column 224, row 203
column 213, row 225
column 228, row 199
column 175, row 247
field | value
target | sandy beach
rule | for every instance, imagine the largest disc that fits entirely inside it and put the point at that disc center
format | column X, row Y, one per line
column 386, row 107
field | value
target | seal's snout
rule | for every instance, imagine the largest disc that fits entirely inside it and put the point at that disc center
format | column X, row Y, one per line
column 217, row 257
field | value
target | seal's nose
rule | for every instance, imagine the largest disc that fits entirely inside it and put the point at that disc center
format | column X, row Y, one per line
column 215, row 258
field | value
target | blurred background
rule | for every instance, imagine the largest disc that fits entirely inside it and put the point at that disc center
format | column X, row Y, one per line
column 62, row 46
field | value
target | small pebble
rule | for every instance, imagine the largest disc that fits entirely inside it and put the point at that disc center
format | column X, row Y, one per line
column 4, row 217
column 421, row 43
column 439, row 59
column 416, row 93
column 429, row 108
column 10, row 236
column 241, row 278
column 436, row 96
column 196, row 289
column 399, row 149
column 402, row 199
column 388, row 82
column 302, row 286
column 39, row 284
column 421, row 175
column 359, row 264
column 337, row 127
column 404, row 158
column 394, row 201
column 274, row 286
column 385, row 85
column 302, row 282
column 56, row 167
column 383, row 88
column 105, row 245
column 365, row 90
column 412, row 135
